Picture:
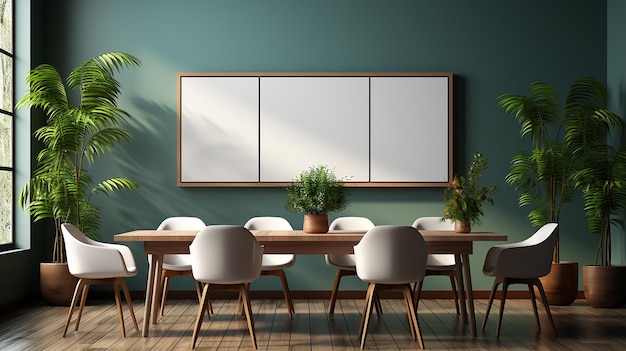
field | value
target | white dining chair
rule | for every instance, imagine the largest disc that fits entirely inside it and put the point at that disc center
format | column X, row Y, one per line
column 523, row 262
column 225, row 257
column 275, row 264
column 94, row 262
column 391, row 257
column 344, row 263
column 439, row 264
column 177, row 265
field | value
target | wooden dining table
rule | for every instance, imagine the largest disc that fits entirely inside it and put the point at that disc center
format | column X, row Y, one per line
column 161, row 242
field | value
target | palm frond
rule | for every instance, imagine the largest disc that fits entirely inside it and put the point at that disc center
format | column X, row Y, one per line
column 61, row 186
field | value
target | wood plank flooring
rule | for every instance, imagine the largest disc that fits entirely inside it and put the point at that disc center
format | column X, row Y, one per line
column 580, row 327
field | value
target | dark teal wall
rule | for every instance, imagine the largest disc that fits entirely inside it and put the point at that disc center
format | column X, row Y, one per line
column 491, row 46
column 616, row 81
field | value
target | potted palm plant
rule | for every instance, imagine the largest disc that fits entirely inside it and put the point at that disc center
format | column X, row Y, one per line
column 316, row 192
column 465, row 196
column 543, row 176
column 603, row 184
column 74, row 136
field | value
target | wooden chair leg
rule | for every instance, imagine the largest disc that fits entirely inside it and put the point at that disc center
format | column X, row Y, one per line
column 199, row 293
column 77, row 291
column 544, row 300
column 286, row 292
column 367, row 311
column 417, row 293
column 83, row 299
column 248, row 312
column 165, row 283
column 534, row 302
column 413, row 321
column 455, row 291
column 505, row 288
column 200, row 315
column 118, row 303
column 494, row 288
column 122, row 282
column 333, row 295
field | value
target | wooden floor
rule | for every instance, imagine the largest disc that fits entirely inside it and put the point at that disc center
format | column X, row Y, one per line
column 581, row 327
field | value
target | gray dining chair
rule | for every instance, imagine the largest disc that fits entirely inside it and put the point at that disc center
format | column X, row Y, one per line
column 94, row 262
column 439, row 264
column 523, row 262
column 225, row 257
column 344, row 263
column 177, row 265
column 391, row 257
column 275, row 264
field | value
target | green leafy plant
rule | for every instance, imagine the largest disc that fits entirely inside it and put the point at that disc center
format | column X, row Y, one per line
column 603, row 184
column 74, row 136
column 560, row 134
column 317, row 191
column 465, row 195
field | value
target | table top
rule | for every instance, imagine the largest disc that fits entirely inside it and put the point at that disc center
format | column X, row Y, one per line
column 299, row 235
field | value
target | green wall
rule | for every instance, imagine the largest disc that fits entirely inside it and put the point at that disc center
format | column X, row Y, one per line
column 616, row 82
column 491, row 46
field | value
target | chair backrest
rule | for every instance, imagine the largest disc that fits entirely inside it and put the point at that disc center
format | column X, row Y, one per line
column 181, row 223
column 90, row 258
column 529, row 258
column 225, row 254
column 351, row 223
column 433, row 223
column 267, row 223
column 391, row 254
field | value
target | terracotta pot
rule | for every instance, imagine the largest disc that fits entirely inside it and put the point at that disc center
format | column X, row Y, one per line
column 561, row 284
column 315, row 224
column 56, row 283
column 605, row 286
column 462, row 226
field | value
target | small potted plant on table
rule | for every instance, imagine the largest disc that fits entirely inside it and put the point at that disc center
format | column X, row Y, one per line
column 316, row 192
column 465, row 196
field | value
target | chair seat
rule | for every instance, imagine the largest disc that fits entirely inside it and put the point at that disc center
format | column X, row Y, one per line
column 277, row 261
column 343, row 262
column 178, row 262
column 176, row 267
column 107, row 275
column 443, row 261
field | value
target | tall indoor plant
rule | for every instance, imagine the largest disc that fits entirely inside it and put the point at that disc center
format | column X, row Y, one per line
column 75, row 134
column 543, row 176
column 603, row 184
column 316, row 192
column 466, row 194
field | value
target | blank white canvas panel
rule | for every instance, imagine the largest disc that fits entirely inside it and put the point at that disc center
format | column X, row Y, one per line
column 308, row 121
column 219, row 129
column 409, row 129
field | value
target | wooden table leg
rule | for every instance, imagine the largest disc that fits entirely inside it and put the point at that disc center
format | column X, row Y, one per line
column 157, row 261
column 470, row 293
column 148, row 303
column 153, row 277
column 461, row 287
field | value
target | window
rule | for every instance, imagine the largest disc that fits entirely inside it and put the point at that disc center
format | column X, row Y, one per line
column 6, row 124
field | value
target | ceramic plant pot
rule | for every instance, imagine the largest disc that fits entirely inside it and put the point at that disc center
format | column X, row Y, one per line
column 462, row 226
column 315, row 224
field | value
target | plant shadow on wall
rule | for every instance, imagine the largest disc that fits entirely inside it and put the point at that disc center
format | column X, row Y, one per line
column 466, row 194
column 565, row 138
column 74, row 135
column 316, row 192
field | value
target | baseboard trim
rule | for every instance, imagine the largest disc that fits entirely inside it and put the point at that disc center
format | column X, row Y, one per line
column 320, row 294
